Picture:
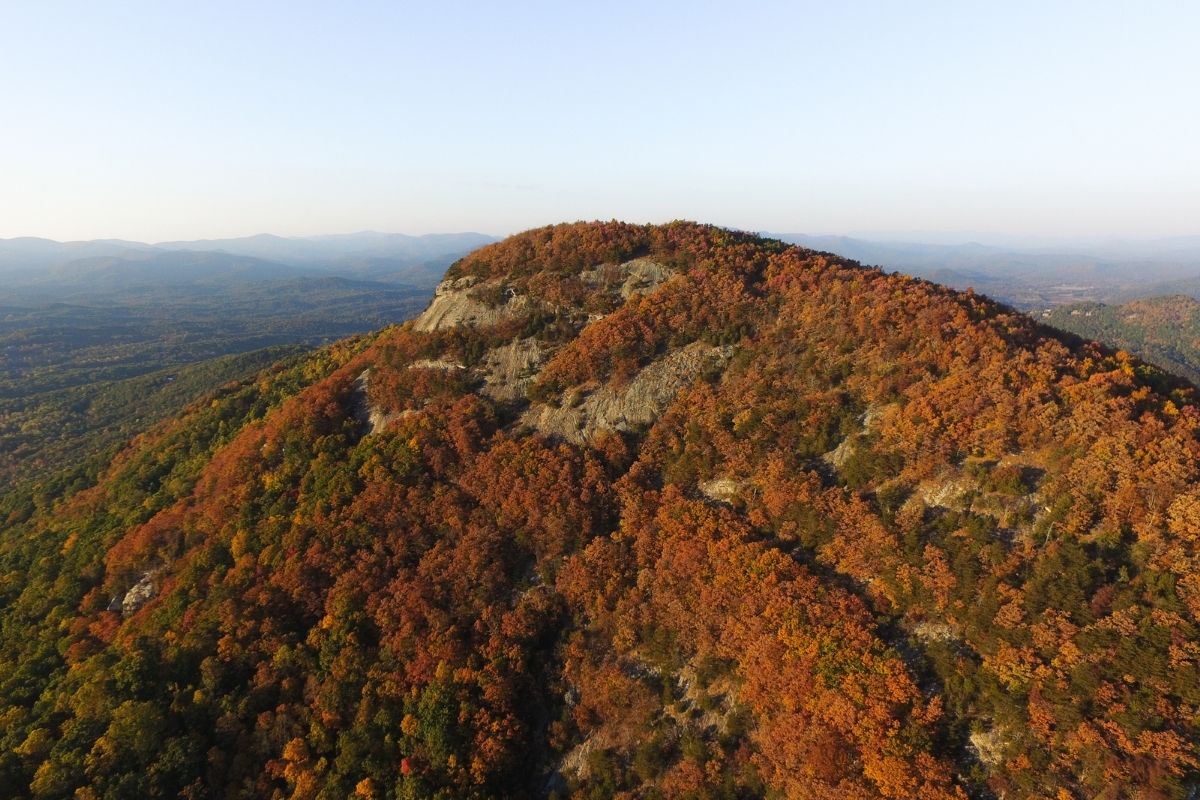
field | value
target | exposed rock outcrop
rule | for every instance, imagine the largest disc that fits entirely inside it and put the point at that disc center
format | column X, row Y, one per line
column 723, row 490
column 139, row 594
column 435, row 363
column 838, row 456
column 638, row 275
column 370, row 417
column 953, row 493
column 454, row 304
column 929, row 632
column 638, row 403
column 988, row 746
column 508, row 370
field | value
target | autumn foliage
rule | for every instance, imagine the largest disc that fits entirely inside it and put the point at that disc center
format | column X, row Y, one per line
column 904, row 543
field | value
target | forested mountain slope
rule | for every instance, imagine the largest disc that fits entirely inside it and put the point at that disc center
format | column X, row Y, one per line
column 630, row 511
column 1163, row 330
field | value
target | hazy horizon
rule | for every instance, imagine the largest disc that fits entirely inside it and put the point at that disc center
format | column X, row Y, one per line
column 951, row 238
column 166, row 121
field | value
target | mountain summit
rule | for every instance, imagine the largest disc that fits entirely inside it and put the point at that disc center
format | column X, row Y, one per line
column 630, row 511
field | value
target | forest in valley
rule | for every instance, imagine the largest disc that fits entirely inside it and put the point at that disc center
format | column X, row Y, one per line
column 629, row 512
column 81, row 375
column 101, row 339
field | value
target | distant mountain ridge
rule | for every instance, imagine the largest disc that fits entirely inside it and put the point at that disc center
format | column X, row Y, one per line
column 183, row 267
column 416, row 260
column 365, row 244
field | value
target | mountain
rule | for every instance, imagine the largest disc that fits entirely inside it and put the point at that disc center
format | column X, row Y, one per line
column 629, row 511
column 30, row 254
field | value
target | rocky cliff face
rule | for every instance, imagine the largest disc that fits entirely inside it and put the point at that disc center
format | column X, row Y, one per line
column 507, row 371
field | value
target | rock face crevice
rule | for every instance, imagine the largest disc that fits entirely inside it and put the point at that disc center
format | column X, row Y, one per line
column 637, row 404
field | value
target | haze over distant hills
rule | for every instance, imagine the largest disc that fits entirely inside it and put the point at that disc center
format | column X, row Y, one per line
column 1028, row 272
column 332, row 247
column 414, row 260
column 99, row 339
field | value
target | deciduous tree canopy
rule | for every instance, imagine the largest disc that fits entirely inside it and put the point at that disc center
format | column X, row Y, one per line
column 644, row 512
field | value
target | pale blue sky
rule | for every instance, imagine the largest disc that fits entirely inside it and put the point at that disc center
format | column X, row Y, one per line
column 159, row 120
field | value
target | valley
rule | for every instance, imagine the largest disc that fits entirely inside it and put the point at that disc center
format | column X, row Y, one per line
column 100, row 340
